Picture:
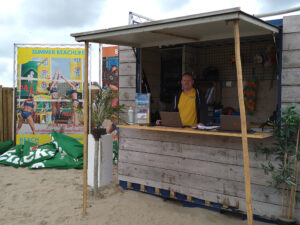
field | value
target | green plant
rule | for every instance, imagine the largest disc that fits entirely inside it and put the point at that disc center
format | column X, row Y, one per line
column 283, row 165
column 103, row 109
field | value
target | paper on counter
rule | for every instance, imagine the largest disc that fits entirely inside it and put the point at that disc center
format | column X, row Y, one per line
column 207, row 127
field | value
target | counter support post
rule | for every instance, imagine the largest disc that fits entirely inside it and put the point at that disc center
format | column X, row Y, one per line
column 243, row 122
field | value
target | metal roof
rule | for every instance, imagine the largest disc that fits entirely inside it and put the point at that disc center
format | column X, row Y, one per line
column 194, row 28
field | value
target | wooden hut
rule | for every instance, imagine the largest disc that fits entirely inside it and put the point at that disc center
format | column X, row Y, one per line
column 215, row 168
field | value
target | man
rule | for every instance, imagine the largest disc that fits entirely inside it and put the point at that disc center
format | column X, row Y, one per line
column 190, row 103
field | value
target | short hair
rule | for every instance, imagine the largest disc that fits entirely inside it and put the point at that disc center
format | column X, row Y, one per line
column 187, row 74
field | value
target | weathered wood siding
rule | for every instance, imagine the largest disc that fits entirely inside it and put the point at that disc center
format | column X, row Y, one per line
column 127, row 77
column 291, row 61
column 201, row 166
column 6, row 114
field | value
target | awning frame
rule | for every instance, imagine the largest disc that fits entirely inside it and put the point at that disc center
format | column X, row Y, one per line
column 172, row 31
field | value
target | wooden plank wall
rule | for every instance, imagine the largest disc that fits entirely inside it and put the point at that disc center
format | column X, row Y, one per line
column 291, row 61
column 127, row 77
column 6, row 115
column 201, row 166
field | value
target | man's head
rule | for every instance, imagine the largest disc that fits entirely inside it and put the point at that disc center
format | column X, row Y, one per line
column 187, row 82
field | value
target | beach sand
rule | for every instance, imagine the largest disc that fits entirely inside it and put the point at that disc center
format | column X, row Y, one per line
column 52, row 196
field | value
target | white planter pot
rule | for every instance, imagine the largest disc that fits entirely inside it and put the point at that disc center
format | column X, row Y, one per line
column 105, row 171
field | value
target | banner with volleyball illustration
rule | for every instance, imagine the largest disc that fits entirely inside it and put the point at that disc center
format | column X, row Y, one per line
column 44, row 71
column 76, row 70
column 49, row 82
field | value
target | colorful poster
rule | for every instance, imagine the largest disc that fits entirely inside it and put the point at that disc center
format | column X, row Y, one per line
column 49, row 91
column 110, row 67
column 142, row 108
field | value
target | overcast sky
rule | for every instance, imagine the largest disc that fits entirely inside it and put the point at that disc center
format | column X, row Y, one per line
column 52, row 21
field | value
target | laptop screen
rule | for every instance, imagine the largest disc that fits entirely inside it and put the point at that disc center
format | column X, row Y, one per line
column 232, row 123
column 170, row 119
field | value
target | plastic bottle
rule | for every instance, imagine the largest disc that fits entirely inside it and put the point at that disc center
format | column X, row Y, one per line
column 130, row 115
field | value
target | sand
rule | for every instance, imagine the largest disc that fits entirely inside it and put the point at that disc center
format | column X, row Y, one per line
column 52, row 196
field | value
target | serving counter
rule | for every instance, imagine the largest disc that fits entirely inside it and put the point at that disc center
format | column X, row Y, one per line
column 259, row 135
column 201, row 165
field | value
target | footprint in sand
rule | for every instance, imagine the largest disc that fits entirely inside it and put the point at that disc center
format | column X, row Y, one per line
column 43, row 222
column 43, row 180
column 27, row 214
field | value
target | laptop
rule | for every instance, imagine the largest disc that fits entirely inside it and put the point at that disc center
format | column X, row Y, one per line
column 170, row 119
column 232, row 123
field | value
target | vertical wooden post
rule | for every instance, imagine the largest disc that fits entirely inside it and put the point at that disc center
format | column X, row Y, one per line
column 5, row 111
column 243, row 122
column 85, row 133
column 284, row 191
column 293, row 188
column 1, row 116
column 9, row 113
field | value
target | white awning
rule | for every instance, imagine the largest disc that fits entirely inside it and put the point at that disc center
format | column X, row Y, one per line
column 215, row 25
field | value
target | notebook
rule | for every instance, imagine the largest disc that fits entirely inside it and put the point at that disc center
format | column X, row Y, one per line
column 170, row 119
column 232, row 123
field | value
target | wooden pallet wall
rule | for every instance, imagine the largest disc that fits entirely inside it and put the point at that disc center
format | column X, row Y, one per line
column 201, row 166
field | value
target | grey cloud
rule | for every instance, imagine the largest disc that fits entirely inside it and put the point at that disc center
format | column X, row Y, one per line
column 170, row 5
column 268, row 6
column 5, row 73
column 3, row 66
column 7, row 40
column 10, row 36
column 7, row 51
column 33, row 36
column 61, row 13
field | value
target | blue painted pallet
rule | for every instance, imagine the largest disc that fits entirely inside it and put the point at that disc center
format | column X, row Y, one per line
column 188, row 201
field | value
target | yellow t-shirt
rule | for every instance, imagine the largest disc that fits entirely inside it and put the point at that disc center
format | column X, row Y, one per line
column 187, row 108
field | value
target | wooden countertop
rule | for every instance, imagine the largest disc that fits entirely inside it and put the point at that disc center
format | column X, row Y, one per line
column 258, row 135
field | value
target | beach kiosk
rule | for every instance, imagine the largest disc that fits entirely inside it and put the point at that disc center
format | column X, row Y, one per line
column 212, row 168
